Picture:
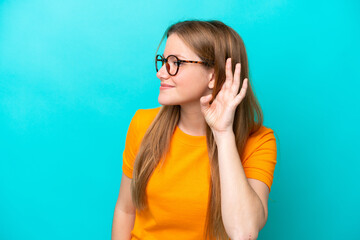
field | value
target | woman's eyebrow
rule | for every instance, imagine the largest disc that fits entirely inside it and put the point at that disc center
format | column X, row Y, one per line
column 178, row 55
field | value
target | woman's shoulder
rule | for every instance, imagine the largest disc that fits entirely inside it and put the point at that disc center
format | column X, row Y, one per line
column 260, row 144
column 147, row 115
column 144, row 117
column 257, row 138
column 263, row 131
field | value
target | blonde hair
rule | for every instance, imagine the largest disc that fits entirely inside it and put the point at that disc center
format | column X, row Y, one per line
column 214, row 42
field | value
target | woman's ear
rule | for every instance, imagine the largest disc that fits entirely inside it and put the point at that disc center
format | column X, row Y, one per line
column 212, row 80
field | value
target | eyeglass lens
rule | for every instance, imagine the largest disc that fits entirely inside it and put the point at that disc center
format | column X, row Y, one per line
column 171, row 64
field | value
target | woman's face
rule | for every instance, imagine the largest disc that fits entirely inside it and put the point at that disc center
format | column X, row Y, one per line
column 191, row 82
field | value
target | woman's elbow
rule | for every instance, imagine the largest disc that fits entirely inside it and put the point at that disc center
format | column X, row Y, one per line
column 249, row 234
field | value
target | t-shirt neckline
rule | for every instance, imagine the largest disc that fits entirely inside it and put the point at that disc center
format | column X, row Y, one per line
column 189, row 139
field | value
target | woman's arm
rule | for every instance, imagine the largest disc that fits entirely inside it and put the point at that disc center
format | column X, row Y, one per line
column 124, row 214
column 243, row 201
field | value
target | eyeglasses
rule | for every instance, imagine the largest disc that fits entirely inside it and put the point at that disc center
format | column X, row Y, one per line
column 172, row 63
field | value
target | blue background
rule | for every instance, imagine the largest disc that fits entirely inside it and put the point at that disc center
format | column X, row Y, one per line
column 73, row 73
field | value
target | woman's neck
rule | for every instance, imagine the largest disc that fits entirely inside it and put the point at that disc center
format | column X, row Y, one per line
column 192, row 120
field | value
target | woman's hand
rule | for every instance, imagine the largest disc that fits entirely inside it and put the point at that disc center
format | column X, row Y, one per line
column 220, row 114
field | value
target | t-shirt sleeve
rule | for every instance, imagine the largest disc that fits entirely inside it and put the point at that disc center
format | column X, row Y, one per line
column 260, row 161
column 131, row 146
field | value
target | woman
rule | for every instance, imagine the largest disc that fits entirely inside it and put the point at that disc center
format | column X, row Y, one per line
column 201, row 165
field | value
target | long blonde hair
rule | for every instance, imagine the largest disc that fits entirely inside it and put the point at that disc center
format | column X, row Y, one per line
column 214, row 42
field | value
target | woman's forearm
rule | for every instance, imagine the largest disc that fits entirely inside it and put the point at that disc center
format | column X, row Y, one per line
column 242, row 210
column 122, row 225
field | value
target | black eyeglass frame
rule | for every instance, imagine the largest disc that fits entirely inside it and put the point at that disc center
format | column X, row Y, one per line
column 178, row 61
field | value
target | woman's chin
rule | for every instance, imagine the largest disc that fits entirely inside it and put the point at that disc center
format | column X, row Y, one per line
column 166, row 102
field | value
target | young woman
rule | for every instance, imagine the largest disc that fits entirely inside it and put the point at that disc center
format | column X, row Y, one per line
column 201, row 165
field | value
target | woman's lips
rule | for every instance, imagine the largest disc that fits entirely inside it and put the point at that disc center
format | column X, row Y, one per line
column 165, row 86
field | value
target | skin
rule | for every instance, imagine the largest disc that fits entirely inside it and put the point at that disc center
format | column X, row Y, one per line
column 244, row 208
column 190, row 83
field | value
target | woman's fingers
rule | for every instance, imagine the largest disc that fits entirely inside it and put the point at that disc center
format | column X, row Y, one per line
column 242, row 93
column 232, row 80
column 236, row 83
column 228, row 74
column 232, row 83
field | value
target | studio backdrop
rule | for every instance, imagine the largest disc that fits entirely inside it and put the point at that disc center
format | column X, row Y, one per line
column 73, row 73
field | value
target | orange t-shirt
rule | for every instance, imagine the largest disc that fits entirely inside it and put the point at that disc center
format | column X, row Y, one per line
column 178, row 193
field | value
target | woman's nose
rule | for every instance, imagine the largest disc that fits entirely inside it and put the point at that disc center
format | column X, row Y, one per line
column 162, row 73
